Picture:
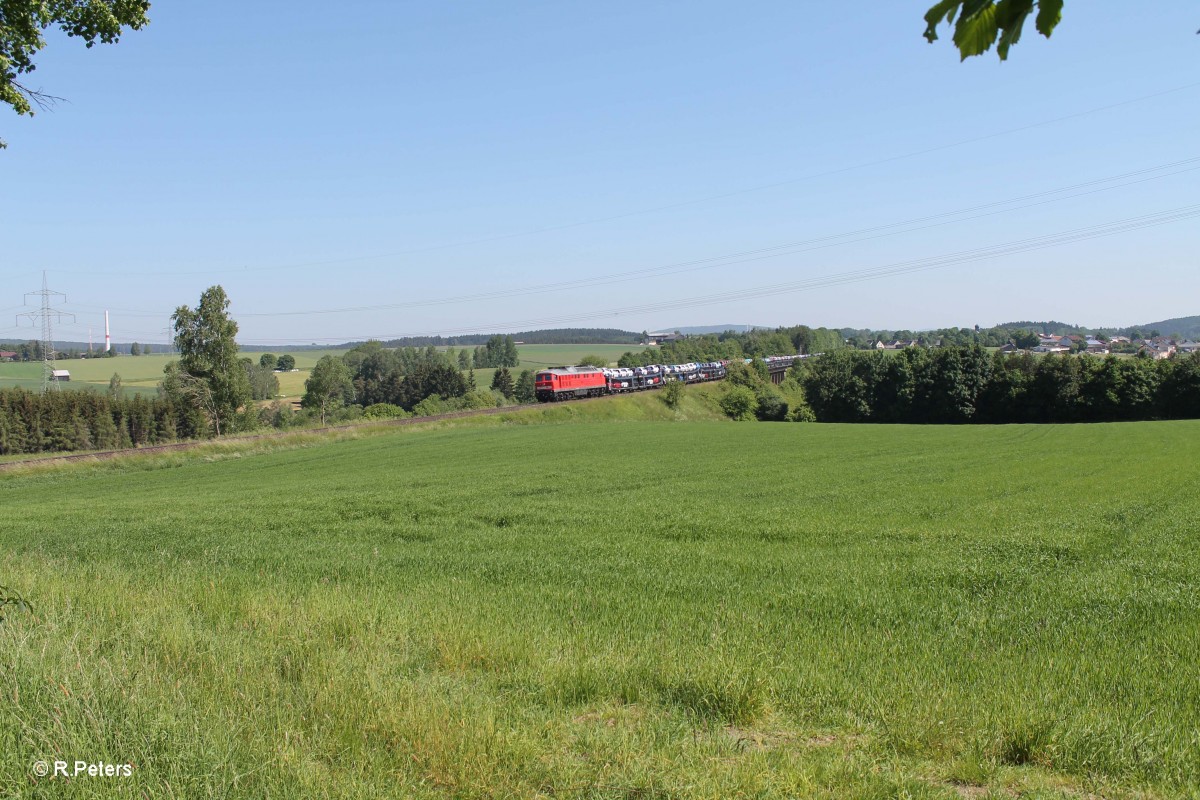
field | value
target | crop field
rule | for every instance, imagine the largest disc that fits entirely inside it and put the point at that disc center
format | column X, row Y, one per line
column 648, row 609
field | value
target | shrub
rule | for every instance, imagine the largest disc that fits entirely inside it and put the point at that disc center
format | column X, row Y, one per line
column 672, row 394
column 384, row 411
column 739, row 403
column 480, row 399
column 432, row 405
column 801, row 413
column 771, row 405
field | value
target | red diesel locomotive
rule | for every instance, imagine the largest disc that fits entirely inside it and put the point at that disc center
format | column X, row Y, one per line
column 565, row 383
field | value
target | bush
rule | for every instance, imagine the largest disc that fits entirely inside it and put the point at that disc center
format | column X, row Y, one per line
column 771, row 405
column 801, row 413
column 276, row 415
column 798, row 408
column 739, row 403
column 672, row 394
column 480, row 399
column 741, row 374
column 384, row 411
column 432, row 405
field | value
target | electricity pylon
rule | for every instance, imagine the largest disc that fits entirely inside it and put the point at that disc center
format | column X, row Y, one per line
column 45, row 315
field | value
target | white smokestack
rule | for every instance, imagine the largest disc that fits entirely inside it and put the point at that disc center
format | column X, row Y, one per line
column 107, row 338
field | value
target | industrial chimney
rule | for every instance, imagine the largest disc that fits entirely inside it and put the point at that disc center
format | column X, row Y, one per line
column 107, row 338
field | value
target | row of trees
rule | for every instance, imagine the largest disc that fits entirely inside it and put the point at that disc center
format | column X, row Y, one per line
column 733, row 346
column 968, row 384
column 283, row 363
column 547, row 336
column 499, row 351
column 1022, row 334
column 32, row 351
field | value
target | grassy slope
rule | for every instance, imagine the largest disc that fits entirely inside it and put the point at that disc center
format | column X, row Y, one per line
column 618, row 610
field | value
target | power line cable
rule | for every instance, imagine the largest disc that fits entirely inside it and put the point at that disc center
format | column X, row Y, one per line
column 1044, row 197
column 891, row 270
column 691, row 202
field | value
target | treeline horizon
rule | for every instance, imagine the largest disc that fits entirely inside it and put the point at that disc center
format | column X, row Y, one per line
column 548, row 336
column 956, row 385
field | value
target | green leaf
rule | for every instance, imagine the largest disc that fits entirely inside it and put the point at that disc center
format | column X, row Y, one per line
column 1012, row 12
column 975, row 34
column 943, row 10
column 1049, row 14
column 973, row 7
column 1010, row 18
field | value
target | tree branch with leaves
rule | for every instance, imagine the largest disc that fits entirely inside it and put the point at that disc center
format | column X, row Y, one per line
column 22, row 26
column 979, row 24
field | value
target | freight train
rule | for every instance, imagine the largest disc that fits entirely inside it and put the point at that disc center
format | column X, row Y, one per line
column 569, row 383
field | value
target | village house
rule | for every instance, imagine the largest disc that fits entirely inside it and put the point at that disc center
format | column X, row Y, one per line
column 662, row 338
column 1053, row 344
column 1157, row 351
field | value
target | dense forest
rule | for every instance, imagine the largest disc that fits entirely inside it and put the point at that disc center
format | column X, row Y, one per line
column 85, row 420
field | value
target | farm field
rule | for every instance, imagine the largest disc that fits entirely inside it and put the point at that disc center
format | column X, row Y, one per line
column 143, row 373
column 621, row 609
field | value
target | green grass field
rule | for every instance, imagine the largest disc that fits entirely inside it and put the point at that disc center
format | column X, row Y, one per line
column 617, row 609
column 143, row 373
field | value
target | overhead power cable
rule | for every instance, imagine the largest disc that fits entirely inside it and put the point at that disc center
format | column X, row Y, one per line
column 808, row 284
column 926, row 222
column 684, row 203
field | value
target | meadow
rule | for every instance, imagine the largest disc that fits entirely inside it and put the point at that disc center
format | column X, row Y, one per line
column 619, row 609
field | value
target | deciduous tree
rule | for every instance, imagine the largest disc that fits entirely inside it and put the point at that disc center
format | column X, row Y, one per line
column 210, row 376
column 328, row 387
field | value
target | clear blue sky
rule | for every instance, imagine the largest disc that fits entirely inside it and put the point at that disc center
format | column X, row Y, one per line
column 380, row 153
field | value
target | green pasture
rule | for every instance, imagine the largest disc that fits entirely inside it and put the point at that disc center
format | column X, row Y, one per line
column 540, row 356
column 649, row 609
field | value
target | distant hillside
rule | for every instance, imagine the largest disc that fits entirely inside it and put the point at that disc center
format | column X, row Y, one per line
column 1054, row 328
column 551, row 336
column 1188, row 327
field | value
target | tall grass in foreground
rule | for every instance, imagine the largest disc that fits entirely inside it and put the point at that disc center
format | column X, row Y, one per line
column 616, row 610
